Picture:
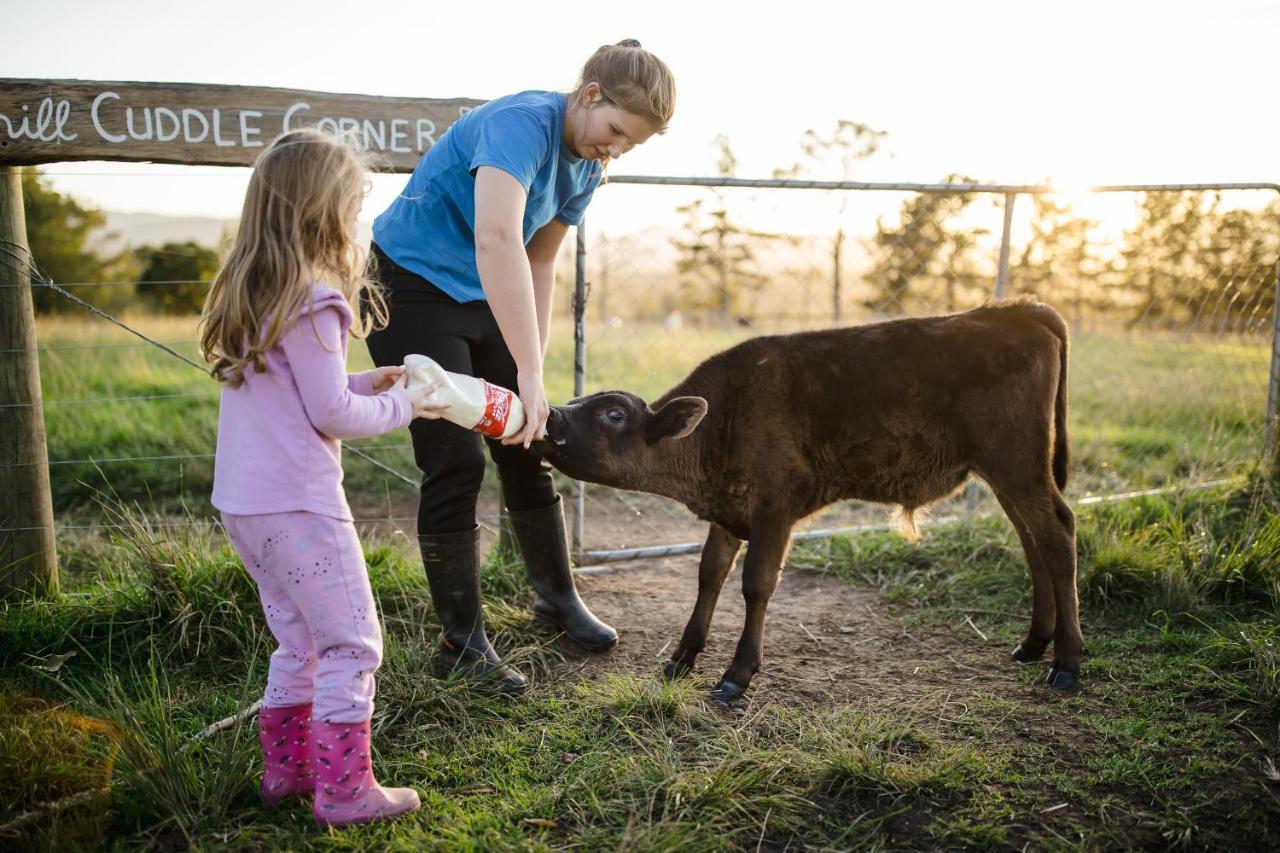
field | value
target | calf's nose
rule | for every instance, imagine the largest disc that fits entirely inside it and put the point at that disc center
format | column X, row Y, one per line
column 554, row 426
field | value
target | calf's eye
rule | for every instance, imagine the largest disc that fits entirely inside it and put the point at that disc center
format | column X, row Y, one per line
column 617, row 416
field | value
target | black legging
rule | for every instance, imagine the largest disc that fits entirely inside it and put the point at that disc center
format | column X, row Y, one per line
column 464, row 338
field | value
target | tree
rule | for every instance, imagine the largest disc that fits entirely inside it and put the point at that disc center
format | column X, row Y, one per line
column 1240, row 257
column 964, row 279
column 1188, row 264
column 175, row 276
column 717, row 264
column 850, row 143
column 920, row 262
column 59, row 229
column 1059, row 263
column 1159, row 254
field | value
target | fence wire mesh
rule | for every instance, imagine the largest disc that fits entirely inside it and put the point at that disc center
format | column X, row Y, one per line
column 1170, row 296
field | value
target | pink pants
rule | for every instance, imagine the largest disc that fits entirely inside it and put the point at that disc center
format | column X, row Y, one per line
column 314, row 586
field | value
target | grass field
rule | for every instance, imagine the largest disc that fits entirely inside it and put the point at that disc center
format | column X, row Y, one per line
column 1143, row 413
column 1172, row 740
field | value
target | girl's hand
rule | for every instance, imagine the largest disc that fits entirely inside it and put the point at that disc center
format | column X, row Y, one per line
column 384, row 377
column 422, row 399
column 536, row 410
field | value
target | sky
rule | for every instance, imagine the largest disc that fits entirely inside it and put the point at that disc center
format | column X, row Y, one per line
column 1080, row 93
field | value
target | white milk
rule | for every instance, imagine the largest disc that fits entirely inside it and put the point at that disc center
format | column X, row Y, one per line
column 473, row 403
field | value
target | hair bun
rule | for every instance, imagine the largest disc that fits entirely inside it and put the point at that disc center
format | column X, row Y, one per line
column 628, row 43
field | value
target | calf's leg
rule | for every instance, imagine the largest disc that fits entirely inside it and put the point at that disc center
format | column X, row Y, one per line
column 1044, row 613
column 761, row 568
column 1046, row 528
column 717, row 560
column 1060, row 557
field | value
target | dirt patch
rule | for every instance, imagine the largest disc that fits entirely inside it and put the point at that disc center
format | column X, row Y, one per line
column 827, row 642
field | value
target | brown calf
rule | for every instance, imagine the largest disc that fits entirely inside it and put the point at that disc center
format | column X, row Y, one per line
column 767, row 432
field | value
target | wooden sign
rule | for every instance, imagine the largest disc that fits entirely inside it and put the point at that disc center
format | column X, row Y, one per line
column 48, row 121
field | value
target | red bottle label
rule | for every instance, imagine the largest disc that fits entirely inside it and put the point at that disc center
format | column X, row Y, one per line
column 496, row 411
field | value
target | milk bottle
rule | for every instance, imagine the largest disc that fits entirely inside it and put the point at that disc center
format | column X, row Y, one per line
column 473, row 403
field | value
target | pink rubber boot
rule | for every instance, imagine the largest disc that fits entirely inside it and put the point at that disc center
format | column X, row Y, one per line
column 346, row 791
column 286, row 755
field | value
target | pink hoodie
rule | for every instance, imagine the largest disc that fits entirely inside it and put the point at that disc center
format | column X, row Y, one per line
column 280, row 432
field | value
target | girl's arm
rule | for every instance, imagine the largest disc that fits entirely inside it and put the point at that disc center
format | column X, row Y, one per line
column 542, row 251
column 314, row 349
column 507, row 280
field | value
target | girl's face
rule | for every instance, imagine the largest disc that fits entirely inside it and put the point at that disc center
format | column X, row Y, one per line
column 597, row 130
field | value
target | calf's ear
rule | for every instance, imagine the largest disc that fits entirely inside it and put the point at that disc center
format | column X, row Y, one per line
column 676, row 419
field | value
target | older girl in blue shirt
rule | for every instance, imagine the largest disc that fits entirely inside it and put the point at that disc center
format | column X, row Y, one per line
column 467, row 254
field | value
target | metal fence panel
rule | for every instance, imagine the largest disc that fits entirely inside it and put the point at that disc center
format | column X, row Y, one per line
column 1170, row 293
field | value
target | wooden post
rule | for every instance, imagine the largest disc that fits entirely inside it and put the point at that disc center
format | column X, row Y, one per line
column 28, row 552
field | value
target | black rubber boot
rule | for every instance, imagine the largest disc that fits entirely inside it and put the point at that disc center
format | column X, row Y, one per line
column 541, row 536
column 452, row 561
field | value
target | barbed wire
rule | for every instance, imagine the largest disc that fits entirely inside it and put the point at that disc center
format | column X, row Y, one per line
column 663, row 550
column 487, row 522
column 170, row 283
column 139, row 398
column 75, row 347
column 27, row 266
column 110, row 459
column 170, row 457
column 34, row 272
column 417, row 484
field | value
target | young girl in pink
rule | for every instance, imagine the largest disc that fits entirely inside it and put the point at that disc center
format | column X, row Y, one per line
column 275, row 327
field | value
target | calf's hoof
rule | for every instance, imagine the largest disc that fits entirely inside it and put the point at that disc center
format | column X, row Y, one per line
column 676, row 669
column 727, row 691
column 1062, row 679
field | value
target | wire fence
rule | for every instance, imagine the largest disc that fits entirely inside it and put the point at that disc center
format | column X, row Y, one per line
column 18, row 261
column 1170, row 293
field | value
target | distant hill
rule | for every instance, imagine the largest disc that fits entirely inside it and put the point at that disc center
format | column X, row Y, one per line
column 128, row 230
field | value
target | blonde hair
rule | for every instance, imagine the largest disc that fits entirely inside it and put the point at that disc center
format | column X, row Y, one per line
column 295, row 229
column 633, row 79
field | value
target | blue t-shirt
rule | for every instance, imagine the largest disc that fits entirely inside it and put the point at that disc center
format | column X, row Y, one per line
column 430, row 228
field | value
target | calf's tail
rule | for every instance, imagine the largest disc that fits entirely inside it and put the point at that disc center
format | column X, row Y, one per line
column 1061, row 447
column 1053, row 321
